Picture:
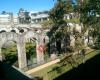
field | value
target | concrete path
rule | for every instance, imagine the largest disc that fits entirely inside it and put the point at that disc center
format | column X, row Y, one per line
column 42, row 66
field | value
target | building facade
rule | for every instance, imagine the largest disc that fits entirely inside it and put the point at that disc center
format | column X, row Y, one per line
column 8, row 19
column 39, row 16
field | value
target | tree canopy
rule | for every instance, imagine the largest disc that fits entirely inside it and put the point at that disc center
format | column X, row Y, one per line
column 90, row 16
column 60, row 9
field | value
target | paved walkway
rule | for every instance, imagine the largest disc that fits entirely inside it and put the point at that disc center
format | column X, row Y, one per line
column 42, row 66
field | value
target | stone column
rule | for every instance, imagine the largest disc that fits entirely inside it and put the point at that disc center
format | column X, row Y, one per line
column 40, row 49
column 1, row 56
column 21, row 54
column 40, row 55
column 72, row 42
column 41, row 19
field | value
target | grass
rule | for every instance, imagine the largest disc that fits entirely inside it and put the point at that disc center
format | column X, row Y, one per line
column 53, row 74
column 74, row 20
column 58, row 69
column 11, row 55
column 87, row 70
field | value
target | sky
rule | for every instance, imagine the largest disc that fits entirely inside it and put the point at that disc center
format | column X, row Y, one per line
column 29, row 5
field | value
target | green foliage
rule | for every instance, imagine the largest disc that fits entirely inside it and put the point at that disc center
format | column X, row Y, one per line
column 78, row 44
column 61, row 8
column 30, row 50
column 47, row 24
column 10, row 53
column 73, row 20
column 59, row 33
column 97, row 45
column 89, row 11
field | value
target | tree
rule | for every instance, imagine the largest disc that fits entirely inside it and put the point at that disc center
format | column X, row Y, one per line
column 59, row 30
column 61, row 8
column 89, row 11
column 46, row 24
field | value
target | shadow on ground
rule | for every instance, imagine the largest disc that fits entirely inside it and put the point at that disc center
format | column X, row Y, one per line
column 7, row 72
column 89, row 70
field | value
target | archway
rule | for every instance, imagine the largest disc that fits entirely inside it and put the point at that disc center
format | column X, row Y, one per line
column 19, row 39
column 31, row 52
column 9, row 50
column 38, row 37
column 2, row 31
column 21, row 31
column 13, row 31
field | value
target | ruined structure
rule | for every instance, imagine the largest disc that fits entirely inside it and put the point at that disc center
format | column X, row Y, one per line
column 19, row 39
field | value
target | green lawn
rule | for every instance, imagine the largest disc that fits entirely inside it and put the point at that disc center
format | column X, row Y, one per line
column 56, row 70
